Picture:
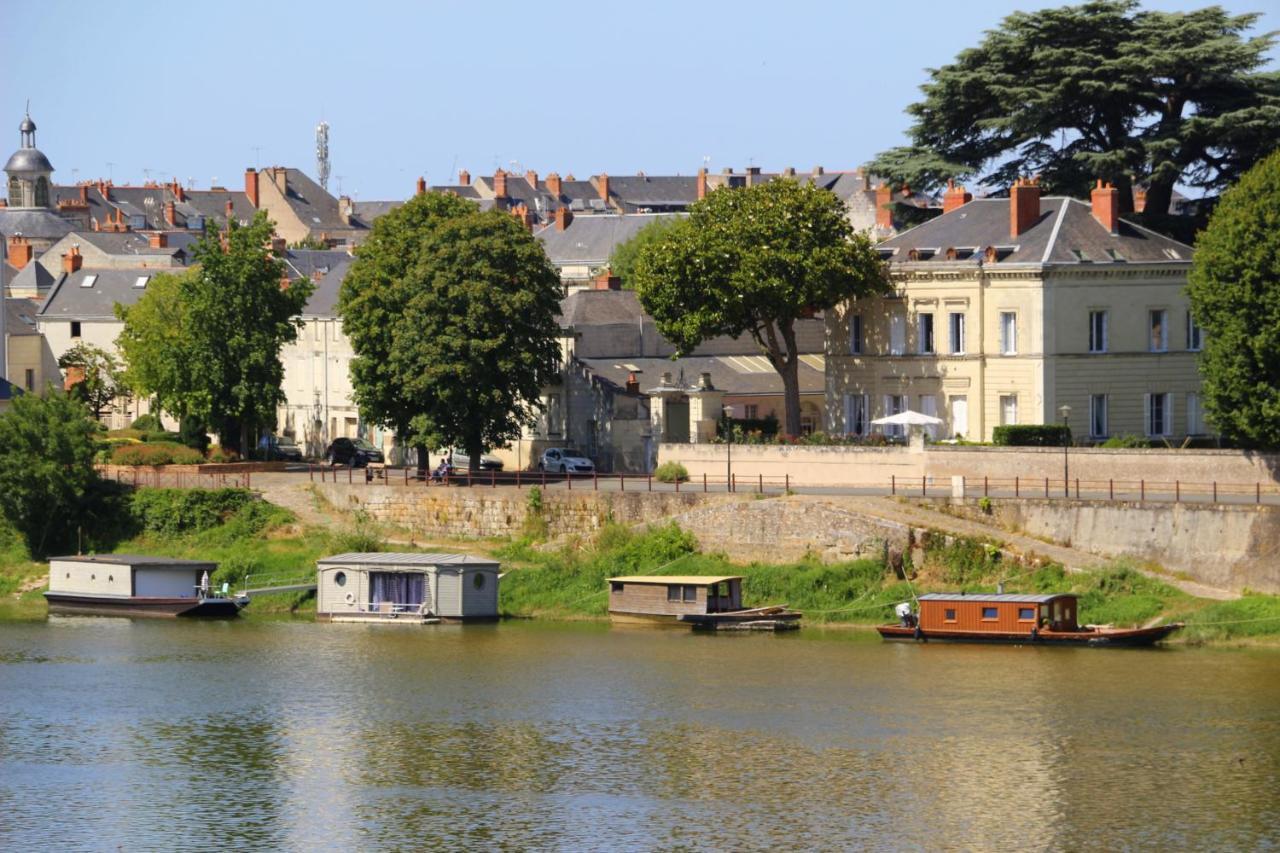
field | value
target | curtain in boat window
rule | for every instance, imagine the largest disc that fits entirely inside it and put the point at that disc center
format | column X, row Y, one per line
column 396, row 592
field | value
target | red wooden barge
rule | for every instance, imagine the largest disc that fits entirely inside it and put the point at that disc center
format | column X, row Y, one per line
column 1011, row 618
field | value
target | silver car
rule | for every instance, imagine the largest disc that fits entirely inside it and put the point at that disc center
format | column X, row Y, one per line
column 558, row 460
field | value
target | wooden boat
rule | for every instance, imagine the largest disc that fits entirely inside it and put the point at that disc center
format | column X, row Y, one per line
column 701, row 601
column 1011, row 618
column 130, row 585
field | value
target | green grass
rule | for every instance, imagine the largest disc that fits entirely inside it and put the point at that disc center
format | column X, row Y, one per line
column 1248, row 617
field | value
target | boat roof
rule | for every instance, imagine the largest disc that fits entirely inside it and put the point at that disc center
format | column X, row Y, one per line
column 138, row 560
column 994, row 597
column 683, row 580
column 393, row 558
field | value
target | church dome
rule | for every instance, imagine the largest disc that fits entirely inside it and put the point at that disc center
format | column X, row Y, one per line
column 27, row 126
column 28, row 160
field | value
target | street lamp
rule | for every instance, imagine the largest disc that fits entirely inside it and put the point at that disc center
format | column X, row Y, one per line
column 727, row 413
column 1065, row 411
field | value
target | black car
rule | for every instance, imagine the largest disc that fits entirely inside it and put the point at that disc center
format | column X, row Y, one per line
column 275, row 447
column 355, row 452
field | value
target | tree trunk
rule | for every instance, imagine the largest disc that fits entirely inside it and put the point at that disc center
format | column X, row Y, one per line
column 244, row 439
column 474, row 450
column 788, row 368
column 1159, row 197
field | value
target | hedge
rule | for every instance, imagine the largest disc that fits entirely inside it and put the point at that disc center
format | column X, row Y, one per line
column 1031, row 435
column 158, row 453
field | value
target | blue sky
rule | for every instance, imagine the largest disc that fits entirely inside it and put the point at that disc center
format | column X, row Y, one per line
column 202, row 90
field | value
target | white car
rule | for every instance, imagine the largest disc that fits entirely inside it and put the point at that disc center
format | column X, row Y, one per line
column 559, row 461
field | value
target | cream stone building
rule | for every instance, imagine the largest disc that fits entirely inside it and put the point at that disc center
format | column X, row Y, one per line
column 1007, row 309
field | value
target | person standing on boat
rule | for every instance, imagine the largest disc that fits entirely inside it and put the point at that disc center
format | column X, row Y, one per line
column 204, row 584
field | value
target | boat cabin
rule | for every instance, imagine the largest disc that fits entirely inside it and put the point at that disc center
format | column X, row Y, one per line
column 667, row 597
column 362, row 587
column 1006, row 613
column 134, row 585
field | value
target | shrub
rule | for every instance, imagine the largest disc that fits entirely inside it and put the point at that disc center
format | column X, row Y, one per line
column 217, row 453
column 1031, row 435
column 766, row 427
column 147, row 423
column 194, row 434
column 362, row 536
column 1126, row 441
column 671, row 472
column 159, row 453
column 173, row 511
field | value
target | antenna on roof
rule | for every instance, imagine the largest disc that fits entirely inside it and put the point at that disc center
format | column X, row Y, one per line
column 339, row 177
column 257, row 156
column 322, row 154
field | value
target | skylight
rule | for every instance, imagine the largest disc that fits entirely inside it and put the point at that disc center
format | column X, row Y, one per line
column 141, row 281
column 88, row 281
column 1173, row 254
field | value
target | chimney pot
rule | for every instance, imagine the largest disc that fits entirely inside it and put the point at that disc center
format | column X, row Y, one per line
column 563, row 217
column 422, row 185
column 606, row 281
column 464, row 177
column 702, row 183
column 955, row 197
column 532, row 177
column 72, row 260
column 1024, row 205
column 1105, row 200
column 158, row 240
column 20, row 251
column 499, row 184
column 602, row 184
column 553, row 184
column 251, row 186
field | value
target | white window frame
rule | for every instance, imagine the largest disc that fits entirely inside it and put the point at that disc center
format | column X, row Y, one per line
column 1094, row 399
column 1166, row 413
column 1098, row 323
column 1195, row 334
column 1163, row 344
column 956, row 331
column 926, row 339
column 897, row 334
column 1010, row 400
column 1008, row 332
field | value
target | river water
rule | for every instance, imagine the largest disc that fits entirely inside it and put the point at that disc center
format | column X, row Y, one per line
column 269, row 735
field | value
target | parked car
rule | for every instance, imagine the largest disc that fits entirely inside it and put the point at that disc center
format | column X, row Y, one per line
column 273, row 447
column 461, row 461
column 558, row 460
column 355, row 452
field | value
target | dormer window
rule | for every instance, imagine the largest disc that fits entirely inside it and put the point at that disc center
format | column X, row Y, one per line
column 1080, row 256
column 886, row 254
column 89, row 281
column 921, row 254
column 995, row 254
column 961, row 253
column 1115, row 256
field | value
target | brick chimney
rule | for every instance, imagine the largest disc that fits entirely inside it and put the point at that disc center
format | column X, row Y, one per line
column 702, row 183
column 633, row 384
column 553, row 184
column 1106, row 206
column 104, row 190
column 521, row 212
column 955, row 197
column 1024, row 205
column 346, row 210
column 178, row 192
column 20, row 251
column 602, row 184
column 158, row 240
column 884, row 213
column 499, row 184
column 72, row 260
column 532, row 177
column 251, row 186
column 563, row 217
column 606, row 281
column 84, row 194
column 1139, row 199
column 281, row 176
column 753, row 175
column 170, row 214
column 464, row 177
column 422, row 185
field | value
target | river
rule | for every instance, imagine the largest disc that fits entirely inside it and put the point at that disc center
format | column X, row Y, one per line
column 263, row 734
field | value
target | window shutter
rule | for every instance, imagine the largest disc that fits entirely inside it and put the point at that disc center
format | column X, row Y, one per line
column 1168, row 414
column 1146, row 411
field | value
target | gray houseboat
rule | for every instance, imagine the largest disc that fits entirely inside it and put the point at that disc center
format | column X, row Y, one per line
column 132, row 585
column 703, row 601
column 377, row 587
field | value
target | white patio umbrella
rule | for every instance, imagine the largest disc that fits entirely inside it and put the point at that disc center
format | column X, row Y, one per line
column 908, row 418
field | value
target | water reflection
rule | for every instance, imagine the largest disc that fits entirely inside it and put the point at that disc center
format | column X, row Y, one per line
column 524, row 735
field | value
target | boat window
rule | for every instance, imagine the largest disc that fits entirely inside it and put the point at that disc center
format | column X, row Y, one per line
column 989, row 613
column 690, row 593
column 1026, row 614
column 673, row 593
column 478, row 580
column 340, row 578
column 615, row 587
column 949, row 614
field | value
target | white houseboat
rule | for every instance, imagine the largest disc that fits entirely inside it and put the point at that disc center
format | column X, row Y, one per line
column 132, row 585
column 375, row 587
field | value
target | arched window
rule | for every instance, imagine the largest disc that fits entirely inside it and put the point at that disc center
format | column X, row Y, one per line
column 42, row 191
column 15, row 192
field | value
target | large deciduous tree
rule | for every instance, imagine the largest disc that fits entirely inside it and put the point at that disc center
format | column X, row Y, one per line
column 622, row 262
column 452, row 314
column 1235, row 296
column 46, row 467
column 1098, row 90
column 207, row 343
column 754, row 260
column 97, row 376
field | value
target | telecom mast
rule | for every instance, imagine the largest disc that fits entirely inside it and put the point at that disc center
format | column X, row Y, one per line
column 322, row 154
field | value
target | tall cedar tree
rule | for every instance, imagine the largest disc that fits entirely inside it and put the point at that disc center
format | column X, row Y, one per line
column 754, row 260
column 1098, row 90
column 1235, row 296
column 46, row 467
column 207, row 343
column 452, row 314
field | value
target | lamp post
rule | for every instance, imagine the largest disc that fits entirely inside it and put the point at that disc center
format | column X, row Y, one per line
column 1065, row 411
column 727, row 414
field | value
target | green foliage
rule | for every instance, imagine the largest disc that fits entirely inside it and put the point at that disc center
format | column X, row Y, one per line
column 534, row 500
column 1031, row 435
column 206, row 343
column 147, row 423
column 453, row 316
column 362, row 536
column 754, row 260
column 962, row 560
column 46, row 468
column 193, row 433
column 766, row 428
column 1126, row 442
column 671, row 472
column 1252, row 615
column 101, row 378
column 984, row 505
column 157, row 453
column 219, row 454
column 622, row 262
column 1097, row 90
column 1234, row 288
column 176, row 511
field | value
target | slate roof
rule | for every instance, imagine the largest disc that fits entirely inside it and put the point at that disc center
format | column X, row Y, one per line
column 133, row 243
column 324, row 299
column 70, row 300
column 20, row 317
column 304, row 263
column 1065, row 233
column 367, row 211
column 35, row 223
column 33, row 277
column 314, row 207
column 8, row 390
column 212, row 205
column 727, row 373
column 641, row 191
column 592, row 238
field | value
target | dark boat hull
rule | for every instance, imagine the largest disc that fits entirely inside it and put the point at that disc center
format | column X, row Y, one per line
column 1119, row 637
column 160, row 608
